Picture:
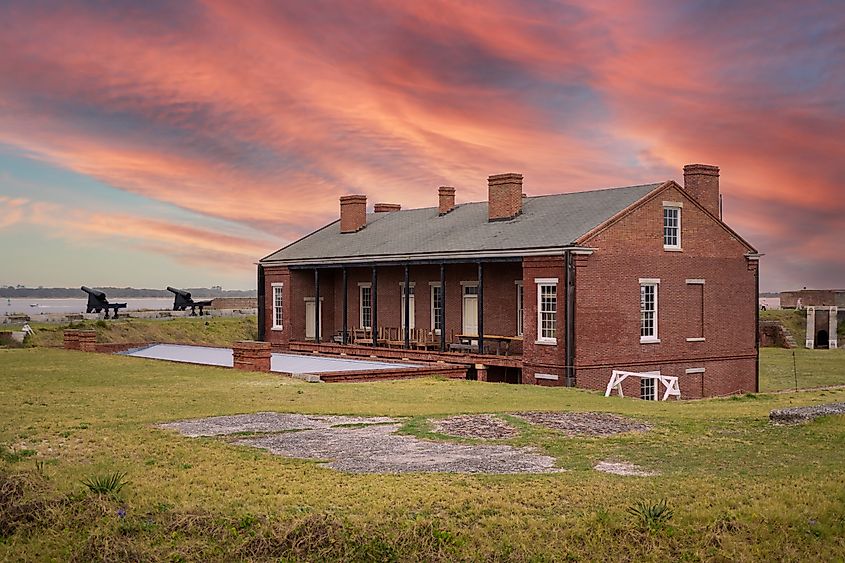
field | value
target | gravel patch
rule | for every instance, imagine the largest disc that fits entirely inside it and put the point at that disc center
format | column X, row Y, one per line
column 798, row 415
column 623, row 468
column 481, row 426
column 265, row 422
column 585, row 423
column 377, row 449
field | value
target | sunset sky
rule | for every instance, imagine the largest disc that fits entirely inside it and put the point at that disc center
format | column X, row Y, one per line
column 176, row 142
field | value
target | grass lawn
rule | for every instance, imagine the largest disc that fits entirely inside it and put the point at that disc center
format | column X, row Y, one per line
column 215, row 331
column 741, row 489
column 812, row 368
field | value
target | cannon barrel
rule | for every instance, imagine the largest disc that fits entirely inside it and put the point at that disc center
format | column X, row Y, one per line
column 182, row 292
column 94, row 292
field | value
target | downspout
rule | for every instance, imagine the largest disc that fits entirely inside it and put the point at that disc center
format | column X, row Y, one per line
column 261, row 304
column 570, row 319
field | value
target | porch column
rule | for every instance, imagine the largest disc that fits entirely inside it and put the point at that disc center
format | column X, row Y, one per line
column 442, row 307
column 407, row 306
column 317, row 305
column 344, row 338
column 262, row 306
column 480, row 308
column 374, row 300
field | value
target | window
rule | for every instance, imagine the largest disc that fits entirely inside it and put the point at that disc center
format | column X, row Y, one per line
column 648, row 389
column 436, row 307
column 695, row 306
column 520, row 308
column 547, row 311
column 648, row 310
column 277, row 306
column 410, row 306
column 366, row 306
column 671, row 227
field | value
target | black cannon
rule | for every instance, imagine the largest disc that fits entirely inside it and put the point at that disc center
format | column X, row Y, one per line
column 182, row 300
column 97, row 302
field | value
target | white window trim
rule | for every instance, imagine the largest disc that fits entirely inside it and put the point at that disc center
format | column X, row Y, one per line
column 432, row 285
column 413, row 307
column 694, row 370
column 695, row 281
column 540, row 282
column 654, row 339
column 520, row 290
column 678, row 206
column 361, row 286
column 273, row 287
column 696, row 339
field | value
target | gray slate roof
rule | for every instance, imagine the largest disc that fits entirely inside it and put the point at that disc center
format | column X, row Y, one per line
column 548, row 221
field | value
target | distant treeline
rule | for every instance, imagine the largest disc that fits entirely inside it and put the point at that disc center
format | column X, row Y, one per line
column 66, row 292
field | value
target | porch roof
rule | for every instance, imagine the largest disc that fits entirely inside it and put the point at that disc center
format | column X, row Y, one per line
column 547, row 222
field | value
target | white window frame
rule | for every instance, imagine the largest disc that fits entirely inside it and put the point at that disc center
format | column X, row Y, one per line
column 413, row 305
column 645, row 384
column 541, row 283
column 361, row 287
column 655, row 283
column 277, row 289
column 434, row 315
column 674, row 206
column 520, row 308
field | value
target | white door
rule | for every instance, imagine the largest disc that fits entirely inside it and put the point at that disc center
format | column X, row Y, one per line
column 310, row 320
column 411, row 308
column 470, row 316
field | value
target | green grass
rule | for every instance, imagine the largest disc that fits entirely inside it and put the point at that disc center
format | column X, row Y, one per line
column 739, row 488
column 217, row 331
column 813, row 368
column 793, row 320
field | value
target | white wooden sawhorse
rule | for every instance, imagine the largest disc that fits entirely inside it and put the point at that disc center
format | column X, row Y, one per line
column 668, row 381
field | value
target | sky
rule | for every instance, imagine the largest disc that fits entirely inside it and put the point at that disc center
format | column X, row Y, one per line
column 175, row 143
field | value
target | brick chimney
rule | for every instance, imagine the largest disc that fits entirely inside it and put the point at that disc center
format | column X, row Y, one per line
column 353, row 213
column 447, row 199
column 386, row 207
column 701, row 181
column 504, row 196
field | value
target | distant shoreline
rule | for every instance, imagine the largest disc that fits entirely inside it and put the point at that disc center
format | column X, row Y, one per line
column 116, row 292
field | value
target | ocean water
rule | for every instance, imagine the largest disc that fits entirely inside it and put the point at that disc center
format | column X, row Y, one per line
column 37, row 306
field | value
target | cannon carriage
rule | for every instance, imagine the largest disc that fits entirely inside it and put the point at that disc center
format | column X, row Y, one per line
column 182, row 300
column 98, row 302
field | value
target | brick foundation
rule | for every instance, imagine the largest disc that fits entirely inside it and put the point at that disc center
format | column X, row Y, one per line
column 83, row 340
column 251, row 356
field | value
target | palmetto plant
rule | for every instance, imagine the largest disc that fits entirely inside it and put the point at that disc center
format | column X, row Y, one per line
column 652, row 515
column 109, row 484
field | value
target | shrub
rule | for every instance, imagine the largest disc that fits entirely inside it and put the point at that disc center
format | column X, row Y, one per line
column 110, row 484
column 652, row 516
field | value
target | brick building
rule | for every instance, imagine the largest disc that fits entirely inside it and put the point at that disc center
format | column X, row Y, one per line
column 552, row 290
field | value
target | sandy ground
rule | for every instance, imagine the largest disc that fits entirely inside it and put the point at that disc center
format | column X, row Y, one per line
column 371, row 448
column 623, row 468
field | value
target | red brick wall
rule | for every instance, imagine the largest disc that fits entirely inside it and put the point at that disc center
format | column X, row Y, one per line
column 543, row 358
column 278, row 274
column 607, row 320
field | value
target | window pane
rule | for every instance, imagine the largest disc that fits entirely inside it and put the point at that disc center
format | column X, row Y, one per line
column 671, row 224
column 437, row 304
column 647, row 309
column 277, row 307
column 548, row 311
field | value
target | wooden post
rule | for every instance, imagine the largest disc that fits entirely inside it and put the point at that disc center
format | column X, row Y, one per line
column 407, row 306
column 374, row 305
column 442, row 307
column 480, row 308
column 344, row 339
column 317, row 305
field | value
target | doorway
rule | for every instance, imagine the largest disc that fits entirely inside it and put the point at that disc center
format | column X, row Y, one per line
column 310, row 324
column 822, row 339
column 469, row 325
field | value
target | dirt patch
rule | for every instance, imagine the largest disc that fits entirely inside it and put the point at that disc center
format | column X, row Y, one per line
column 797, row 415
column 481, row 426
column 265, row 422
column 585, row 423
column 623, row 468
column 378, row 449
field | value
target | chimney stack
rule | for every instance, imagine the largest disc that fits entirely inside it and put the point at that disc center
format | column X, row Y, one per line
column 353, row 213
column 447, row 199
column 504, row 196
column 386, row 207
column 701, row 181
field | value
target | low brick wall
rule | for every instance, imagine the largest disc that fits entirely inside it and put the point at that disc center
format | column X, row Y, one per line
column 70, row 338
column 83, row 340
column 445, row 370
column 234, row 303
column 251, row 355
